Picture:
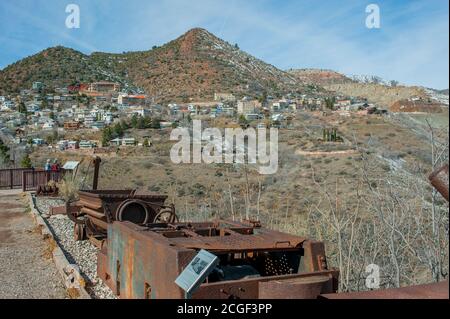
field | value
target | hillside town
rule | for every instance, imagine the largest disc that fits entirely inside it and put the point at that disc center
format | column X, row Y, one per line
column 42, row 116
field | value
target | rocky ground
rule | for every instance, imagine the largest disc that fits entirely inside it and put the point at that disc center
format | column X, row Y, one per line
column 83, row 254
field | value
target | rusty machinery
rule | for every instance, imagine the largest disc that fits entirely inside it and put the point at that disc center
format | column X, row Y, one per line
column 143, row 262
column 95, row 209
column 98, row 208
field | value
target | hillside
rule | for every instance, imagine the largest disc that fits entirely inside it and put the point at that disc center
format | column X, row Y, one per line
column 382, row 95
column 376, row 90
column 58, row 66
column 412, row 106
column 319, row 77
column 195, row 65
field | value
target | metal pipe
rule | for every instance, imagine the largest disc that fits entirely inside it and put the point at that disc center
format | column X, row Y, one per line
column 439, row 180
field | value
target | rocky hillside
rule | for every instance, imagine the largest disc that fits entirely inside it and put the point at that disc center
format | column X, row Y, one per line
column 382, row 95
column 56, row 66
column 195, row 65
column 319, row 77
column 417, row 105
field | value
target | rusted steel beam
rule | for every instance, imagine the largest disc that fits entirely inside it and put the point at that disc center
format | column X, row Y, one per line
column 296, row 288
column 439, row 179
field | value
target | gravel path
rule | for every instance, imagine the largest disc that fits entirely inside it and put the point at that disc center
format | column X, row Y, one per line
column 26, row 266
column 83, row 254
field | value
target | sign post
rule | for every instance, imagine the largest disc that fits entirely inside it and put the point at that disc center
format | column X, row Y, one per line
column 196, row 272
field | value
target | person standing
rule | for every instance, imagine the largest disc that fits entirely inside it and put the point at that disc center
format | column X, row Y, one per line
column 48, row 166
column 55, row 166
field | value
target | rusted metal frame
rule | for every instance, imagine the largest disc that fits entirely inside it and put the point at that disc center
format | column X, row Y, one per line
column 249, row 288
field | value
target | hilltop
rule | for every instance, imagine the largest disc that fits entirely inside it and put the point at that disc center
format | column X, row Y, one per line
column 57, row 66
column 195, row 65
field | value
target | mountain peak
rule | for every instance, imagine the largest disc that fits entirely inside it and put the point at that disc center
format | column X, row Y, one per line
column 197, row 32
column 194, row 66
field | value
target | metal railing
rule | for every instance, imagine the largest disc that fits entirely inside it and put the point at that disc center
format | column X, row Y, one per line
column 27, row 179
column 12, row 178
column 32, row 179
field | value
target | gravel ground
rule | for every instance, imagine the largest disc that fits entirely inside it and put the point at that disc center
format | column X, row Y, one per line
column 83, row 254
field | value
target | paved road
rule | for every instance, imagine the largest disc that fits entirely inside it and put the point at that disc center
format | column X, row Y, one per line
column 26, row 267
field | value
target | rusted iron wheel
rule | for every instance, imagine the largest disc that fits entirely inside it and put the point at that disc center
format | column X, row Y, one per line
column 133, row 210
column 79, row 232
column 166, row 215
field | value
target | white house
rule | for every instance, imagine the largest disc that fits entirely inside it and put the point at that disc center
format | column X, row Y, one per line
column 50, row 125
column 38, row 141
column 89, row 120
column 128, row 141
column 87, row 145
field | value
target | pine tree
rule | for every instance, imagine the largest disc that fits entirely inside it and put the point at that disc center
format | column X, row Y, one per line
column 26, row 162
column 106, row 136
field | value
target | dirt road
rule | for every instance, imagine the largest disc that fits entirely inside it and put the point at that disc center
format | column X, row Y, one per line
column 26, row 267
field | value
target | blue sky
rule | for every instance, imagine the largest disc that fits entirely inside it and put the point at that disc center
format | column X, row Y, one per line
column 411, row 46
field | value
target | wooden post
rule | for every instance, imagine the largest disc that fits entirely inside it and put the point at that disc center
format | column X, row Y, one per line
column 97, row 161
column 11, row 178
column 24, row 181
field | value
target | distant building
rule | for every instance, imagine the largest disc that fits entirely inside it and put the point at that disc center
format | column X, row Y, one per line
column 343, row 103
column 50, row 125
column 37, row 86
column 252, row 117
column 139, row 111
column 279, row 106
column 248, row 106
column 123, row 141
column 63, row 145
column 38, row 141
column 73, row 145
column 104, row 87
column 133, row 100
column 89, row 120
column 98, row 125
column 87, row 145
column 71, row 126
column 8, row 105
